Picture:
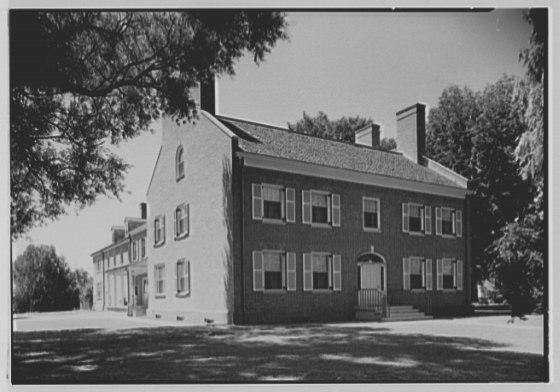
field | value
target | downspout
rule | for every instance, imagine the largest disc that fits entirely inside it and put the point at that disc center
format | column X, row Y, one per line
column 103, row 279
column 130, row 304
column 242, row 241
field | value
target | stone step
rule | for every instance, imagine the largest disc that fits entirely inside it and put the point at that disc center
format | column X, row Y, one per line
column 402, row 309
column 407, row 317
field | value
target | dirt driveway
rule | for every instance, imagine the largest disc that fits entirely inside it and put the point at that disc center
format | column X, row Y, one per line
column 87, row 347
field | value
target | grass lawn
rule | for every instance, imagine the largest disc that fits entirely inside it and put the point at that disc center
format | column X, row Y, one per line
column 298, row 353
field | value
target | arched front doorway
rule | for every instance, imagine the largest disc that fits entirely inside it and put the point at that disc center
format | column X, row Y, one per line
column 372, row 272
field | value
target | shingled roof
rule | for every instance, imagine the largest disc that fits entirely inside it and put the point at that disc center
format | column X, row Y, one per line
column 282, row 143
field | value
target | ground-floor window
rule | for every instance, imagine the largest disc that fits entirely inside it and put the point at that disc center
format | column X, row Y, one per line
column 274, row 270
column 322, row 271
column 183, row 269
column 417, row 273
column 99, row 287
column 449, row 274
column 159, row 279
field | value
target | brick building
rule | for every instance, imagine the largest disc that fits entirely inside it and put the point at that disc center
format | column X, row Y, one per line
column 252, row 223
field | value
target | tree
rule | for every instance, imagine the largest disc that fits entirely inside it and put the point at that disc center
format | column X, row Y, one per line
column 84, row 287
column 342, row 129
column 82, row 80
column 42, row 281
column 475, row 134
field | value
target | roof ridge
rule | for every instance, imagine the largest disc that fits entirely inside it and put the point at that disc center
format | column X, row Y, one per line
column 226, row 118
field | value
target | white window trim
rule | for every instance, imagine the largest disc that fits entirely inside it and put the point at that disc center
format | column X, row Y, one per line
column 142, row 248
column 285, row 269
column 377, row 200
column 422, row 219
column 453, row 217
column 157, row 267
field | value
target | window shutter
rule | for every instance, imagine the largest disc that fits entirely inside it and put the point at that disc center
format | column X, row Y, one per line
column 257, row 201
column 306, row 206
column 283, row 203
column 453, row 222
column 439, row 268
column 187, row 219
column 163, row 228
column 336, row 210
column 307, row 272
column 258, row 271
column 176, row 222
column 459, row 223
column 329, row 269
column 283, row 269
column 428, row 274
column 438, row 220
column 290, row 205
column 406, row 274
column 177, row 277
column 405, row 218
column 459, row 274
column 188, row 277
column 423, row 273
column 337, row 273
column 428, row 217
column 422, row 219
column 291, row 271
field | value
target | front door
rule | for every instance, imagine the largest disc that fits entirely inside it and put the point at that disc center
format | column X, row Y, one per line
column 372, row 276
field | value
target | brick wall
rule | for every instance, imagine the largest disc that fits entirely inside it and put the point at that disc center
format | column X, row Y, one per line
column 349, row 240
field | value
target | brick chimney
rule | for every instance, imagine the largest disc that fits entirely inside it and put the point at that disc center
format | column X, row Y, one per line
column 143, row 211
column 368, row 135
column 411, row 131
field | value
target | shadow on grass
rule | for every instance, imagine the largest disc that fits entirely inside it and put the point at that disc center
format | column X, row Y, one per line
column 309, row 353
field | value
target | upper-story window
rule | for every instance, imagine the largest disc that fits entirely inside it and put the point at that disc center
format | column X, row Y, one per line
column 134, row 250
column 143, row 247
column 273, row 203
column 320, row 208
column 179, row 163
column 449, row 222
column 416, row 218
column 159, row 230
column 449, row 274
column 122, row 258
column 181, row 221
column 417, row 273
column 371, row 213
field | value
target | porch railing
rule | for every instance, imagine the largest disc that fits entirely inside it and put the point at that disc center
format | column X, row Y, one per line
column 373, row 299
column 419, row 300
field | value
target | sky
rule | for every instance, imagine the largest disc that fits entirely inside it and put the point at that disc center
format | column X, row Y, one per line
column 344, row 64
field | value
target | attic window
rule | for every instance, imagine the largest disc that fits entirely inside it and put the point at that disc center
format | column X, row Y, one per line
column 179, row 164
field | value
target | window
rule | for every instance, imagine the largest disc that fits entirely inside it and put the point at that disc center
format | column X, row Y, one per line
column 159, row 279
column 449, row 222
column 98, row 266
column 114, row 260
column 159, row 230
column 99, row 290
column 179, row 164
column 134, row 250
column 122, row 258
column 321, row 208
column 274, row 203
column 416, row 218
column 274, row 270
column 371, row 213
column 181, row 221
column 183, row 277
column 321, row 271
column 417, row 273
column 143, row 247
column 449, row 274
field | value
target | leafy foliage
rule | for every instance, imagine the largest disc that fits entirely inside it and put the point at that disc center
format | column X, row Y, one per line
column 475, row 134
column 83, row 284
column 518, row 264
column 43, row 281
column 342, row 129
column 82, row 80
